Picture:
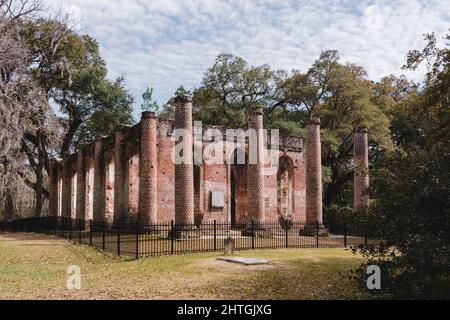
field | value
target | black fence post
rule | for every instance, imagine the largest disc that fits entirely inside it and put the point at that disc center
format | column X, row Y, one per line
column 118, row 240
column 215, row 235
column 172, row 231
column 137, row 239
column 253, row 234
column 345, row 234
column 90, row 232
column 317, row 234
column 103, row 235
column 286, row 232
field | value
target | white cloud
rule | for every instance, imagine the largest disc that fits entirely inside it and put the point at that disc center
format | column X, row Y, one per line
column 171, row 43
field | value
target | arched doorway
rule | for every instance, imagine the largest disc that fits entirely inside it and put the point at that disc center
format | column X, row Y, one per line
column 285, row 188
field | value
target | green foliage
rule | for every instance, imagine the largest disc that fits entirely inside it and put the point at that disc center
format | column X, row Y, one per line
column 338, row 93
column 114, row 108
column 410, row 211
column 286, row 127
column 148, row 103
column 229, row 88
column 69, row 68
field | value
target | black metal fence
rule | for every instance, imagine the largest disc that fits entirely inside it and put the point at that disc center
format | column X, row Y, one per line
column 140, row 240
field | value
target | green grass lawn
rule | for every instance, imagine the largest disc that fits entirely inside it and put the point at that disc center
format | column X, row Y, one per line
column 34, row 267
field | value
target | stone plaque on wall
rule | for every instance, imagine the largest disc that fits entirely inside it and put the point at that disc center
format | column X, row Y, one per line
column 217, row 199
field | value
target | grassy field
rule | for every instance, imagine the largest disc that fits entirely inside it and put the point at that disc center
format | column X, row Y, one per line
column 34, row 267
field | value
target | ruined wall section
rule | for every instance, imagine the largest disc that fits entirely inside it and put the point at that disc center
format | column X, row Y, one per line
column 292, row 148
column 104, row 189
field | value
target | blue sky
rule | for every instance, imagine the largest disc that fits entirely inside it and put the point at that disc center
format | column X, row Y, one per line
column 168, row 43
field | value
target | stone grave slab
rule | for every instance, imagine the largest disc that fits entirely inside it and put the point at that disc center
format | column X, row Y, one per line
column 245, row 261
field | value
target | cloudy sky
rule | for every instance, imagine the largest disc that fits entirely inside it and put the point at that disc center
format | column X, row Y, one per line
column 168, row 43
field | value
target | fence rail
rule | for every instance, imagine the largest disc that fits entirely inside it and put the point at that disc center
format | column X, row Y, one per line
column 138, row 240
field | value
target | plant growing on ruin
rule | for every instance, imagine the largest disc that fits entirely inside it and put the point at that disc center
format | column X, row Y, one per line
column 148, row 103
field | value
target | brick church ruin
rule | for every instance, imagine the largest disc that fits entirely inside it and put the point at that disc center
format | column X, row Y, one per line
column 131, row 175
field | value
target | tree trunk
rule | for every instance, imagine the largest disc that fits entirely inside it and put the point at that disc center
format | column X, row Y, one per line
column 38, row 191
column 9, row 206
column 39, row 176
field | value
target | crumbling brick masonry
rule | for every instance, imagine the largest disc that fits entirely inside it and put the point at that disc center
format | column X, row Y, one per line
column 132, row 176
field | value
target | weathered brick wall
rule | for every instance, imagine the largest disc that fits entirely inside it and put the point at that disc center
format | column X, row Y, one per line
column 215, row 179
column 132, row 173
column 131, row 176
column 299, row 181
column 119, row 176
column 297, row 188
column 66, row 188
column 60, row 176
column 166, row 173
column 89, row 166
column 109, row 186
column 99, row 195
column 81, row 185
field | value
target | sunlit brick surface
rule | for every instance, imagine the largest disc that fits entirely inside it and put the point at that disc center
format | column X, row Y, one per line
column 255, row 175
column 184, row 172
column 148, row 162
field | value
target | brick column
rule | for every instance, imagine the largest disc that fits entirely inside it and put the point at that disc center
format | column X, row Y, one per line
column 99, row 182
column 109, row 186
column 81, row 185
column 255, row 171
column 313, row 160
column 361, row 172
column 53, row 188
column 89, row 169
column 255, row 176
column 59, row 177
column 73, row 188
column 184, row 172
column 148, row 170
column 131, row 185
column 119, row 176
column 66, row 196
